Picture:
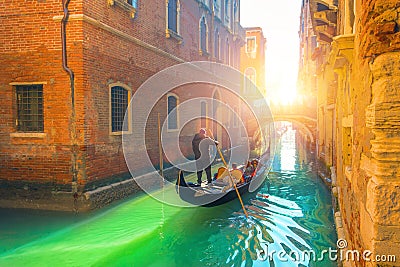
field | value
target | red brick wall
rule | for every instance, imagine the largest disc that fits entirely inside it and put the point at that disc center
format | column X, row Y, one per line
column 30, row 51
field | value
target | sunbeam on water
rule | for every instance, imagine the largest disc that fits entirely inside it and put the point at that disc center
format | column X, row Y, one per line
column 290, row 214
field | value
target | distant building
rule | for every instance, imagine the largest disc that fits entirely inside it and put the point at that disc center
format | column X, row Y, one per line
column 252, row 65
column 307, row 80
column 61, row 128
column 252, row 61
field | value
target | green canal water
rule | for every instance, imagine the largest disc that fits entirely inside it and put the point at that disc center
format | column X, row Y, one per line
column 296, row 217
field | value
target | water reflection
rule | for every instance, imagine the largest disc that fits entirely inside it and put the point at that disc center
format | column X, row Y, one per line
column 291, row 213
column 294, row 218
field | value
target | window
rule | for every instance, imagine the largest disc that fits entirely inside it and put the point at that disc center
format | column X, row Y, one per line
column 203, row 114
column 173, row 15
column 217, row 8
column 235, row 11
column 216, row 44
column 250, row 44
column 203, row 35
column 172, row 112
column 227, row 11
column 29, row 108
column 235, row 117
column 227, row 52
column 133, row 3
column 250, row 81
column 119, row 105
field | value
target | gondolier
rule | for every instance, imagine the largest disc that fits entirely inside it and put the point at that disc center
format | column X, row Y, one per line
column 214, row 194
column 201, row 148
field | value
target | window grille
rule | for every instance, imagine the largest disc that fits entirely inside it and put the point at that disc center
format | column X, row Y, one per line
column 119, row 105
column 30, row 108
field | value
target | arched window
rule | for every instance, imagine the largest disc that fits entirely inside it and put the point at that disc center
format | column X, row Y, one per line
column 173, row 15
column 216, row 44
column 227, row 52
column 172, row 112
column 119, row 99
column 203, row 35
column 250, row 80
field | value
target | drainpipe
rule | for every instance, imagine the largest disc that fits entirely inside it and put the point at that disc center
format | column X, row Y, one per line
column 74, row 145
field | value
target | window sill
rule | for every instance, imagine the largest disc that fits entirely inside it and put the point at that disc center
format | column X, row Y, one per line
column 172, row 34
column 28, row 135
column 120, row 133
column 124, row 5
column 172, row 130
column 203, row 53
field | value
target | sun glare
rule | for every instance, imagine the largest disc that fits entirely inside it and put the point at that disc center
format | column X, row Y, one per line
column 281, row 32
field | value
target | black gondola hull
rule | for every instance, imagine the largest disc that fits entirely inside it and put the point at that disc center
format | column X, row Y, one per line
column 196, row 196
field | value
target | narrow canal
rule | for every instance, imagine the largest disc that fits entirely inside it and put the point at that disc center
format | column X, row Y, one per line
column 296, row 217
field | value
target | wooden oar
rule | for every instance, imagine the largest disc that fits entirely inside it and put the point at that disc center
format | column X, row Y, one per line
column 230, row 175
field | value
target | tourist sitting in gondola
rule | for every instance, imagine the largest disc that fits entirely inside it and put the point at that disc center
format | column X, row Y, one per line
column 250, row 169
column 226, row 180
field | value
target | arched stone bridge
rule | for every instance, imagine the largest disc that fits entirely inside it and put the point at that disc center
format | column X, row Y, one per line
column 306, row 124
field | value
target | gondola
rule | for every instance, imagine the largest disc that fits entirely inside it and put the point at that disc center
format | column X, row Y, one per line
column 212, row 195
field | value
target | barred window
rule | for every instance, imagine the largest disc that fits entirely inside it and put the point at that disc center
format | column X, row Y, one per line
column 119, row 105
column 172, row 114
column 133, row 3
column 29, row 108
column 173, row 15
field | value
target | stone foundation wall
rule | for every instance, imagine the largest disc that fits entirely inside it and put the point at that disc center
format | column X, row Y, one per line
column 369, row 190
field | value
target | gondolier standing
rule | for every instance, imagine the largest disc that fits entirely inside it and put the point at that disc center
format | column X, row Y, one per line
column 201, row 148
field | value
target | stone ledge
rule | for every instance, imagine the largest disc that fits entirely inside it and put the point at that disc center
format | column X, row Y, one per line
column 119, row 33
column 28, row 135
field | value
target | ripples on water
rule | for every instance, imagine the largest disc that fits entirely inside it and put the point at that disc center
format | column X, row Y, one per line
column 291, row 213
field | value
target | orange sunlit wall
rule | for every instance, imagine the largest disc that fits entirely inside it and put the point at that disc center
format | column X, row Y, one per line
column 252, row 60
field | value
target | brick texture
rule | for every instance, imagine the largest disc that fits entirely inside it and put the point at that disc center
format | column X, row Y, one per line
column 102, row 49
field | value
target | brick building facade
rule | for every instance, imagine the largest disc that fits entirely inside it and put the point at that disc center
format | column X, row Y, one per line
column 60, row 136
